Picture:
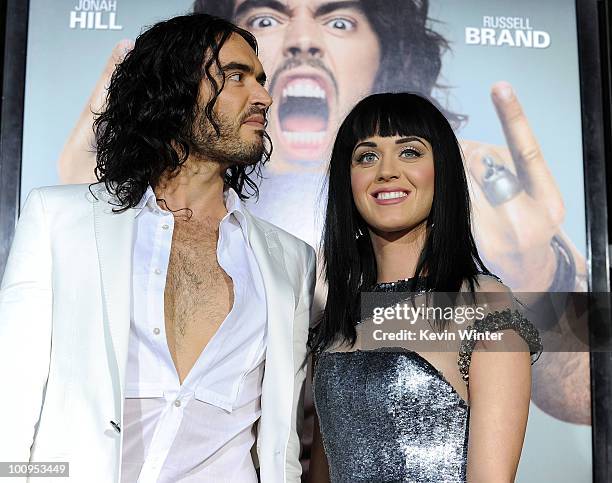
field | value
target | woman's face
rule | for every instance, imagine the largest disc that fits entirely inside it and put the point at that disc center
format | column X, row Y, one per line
column 392, row 180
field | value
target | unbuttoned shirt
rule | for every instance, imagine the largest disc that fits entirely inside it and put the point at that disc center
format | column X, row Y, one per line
column 203, row 429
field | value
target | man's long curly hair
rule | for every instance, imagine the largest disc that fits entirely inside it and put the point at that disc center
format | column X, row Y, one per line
column 411, row 52
column 145, row 129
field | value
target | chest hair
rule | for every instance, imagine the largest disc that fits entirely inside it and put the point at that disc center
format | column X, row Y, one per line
column 199, row 294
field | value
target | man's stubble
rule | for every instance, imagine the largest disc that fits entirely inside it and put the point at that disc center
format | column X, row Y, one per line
column 228, row 146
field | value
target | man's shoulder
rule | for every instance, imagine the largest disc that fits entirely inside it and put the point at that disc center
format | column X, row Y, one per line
column 67, row 191
column 70, row 199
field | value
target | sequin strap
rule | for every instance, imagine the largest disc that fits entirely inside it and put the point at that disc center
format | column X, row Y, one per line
column 493, row 322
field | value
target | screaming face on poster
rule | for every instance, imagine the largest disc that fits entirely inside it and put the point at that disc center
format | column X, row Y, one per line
column 322, row 57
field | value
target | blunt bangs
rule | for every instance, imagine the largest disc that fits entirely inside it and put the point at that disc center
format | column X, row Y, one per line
column 394, row 114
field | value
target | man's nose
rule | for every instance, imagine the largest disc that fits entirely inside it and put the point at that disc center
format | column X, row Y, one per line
column 303, row 38
column 261, row 97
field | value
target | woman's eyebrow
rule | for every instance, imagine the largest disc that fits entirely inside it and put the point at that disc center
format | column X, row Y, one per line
column 410, row 138
column 368, row 144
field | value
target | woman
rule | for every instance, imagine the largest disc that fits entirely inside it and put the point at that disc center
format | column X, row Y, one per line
column 398, row 220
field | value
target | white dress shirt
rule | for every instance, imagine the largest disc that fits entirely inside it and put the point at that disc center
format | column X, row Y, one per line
column 201, row 430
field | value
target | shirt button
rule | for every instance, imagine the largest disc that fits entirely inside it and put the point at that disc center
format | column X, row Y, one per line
column 165, row 227
column 156, row 331
column 177, row 403
column 157, row 271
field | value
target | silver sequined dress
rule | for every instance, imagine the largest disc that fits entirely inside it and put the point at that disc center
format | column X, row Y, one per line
column 388, row 415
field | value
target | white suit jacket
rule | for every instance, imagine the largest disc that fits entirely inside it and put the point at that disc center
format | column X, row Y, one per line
column 64, row 327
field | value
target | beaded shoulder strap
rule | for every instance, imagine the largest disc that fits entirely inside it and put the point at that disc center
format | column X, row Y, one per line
column 495, row 321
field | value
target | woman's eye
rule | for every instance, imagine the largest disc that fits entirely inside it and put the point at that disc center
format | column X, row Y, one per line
column 410, row 153
column 366, row 158
column 341, row 24
column 262, row 22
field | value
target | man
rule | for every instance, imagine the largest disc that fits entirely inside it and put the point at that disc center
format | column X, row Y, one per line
column 323, row 55
column 138, row 316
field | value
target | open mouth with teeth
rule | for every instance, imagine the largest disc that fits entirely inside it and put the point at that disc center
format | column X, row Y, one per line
column 391, row 195
column 303, row 117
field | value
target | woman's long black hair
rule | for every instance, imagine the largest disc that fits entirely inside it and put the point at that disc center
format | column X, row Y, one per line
column 449, row 256
column 145, row 128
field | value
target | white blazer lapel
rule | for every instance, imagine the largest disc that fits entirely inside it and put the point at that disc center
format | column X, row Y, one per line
column 114, row 240
column 280, row 301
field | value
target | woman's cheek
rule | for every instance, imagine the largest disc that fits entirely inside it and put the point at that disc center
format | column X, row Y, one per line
column 359, row 188
column 422, row 177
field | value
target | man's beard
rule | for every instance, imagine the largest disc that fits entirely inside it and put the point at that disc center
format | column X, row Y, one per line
column 227, row 147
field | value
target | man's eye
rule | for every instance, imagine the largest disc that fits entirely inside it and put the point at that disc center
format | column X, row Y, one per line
column 235, row 77
column 341, row 24
column 262, row 22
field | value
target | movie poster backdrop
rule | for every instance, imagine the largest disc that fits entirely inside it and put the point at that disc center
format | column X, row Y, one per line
column 505, row 73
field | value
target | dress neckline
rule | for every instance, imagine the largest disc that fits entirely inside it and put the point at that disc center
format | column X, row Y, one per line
column 407, row 353
column 412, row 284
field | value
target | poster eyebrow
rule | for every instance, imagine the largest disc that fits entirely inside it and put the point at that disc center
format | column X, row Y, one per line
column 249, row 5
column 329, row 7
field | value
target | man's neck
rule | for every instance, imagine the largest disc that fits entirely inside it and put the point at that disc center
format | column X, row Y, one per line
column 197, row 188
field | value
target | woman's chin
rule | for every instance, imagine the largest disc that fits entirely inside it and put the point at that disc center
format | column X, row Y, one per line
column 397, row 230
